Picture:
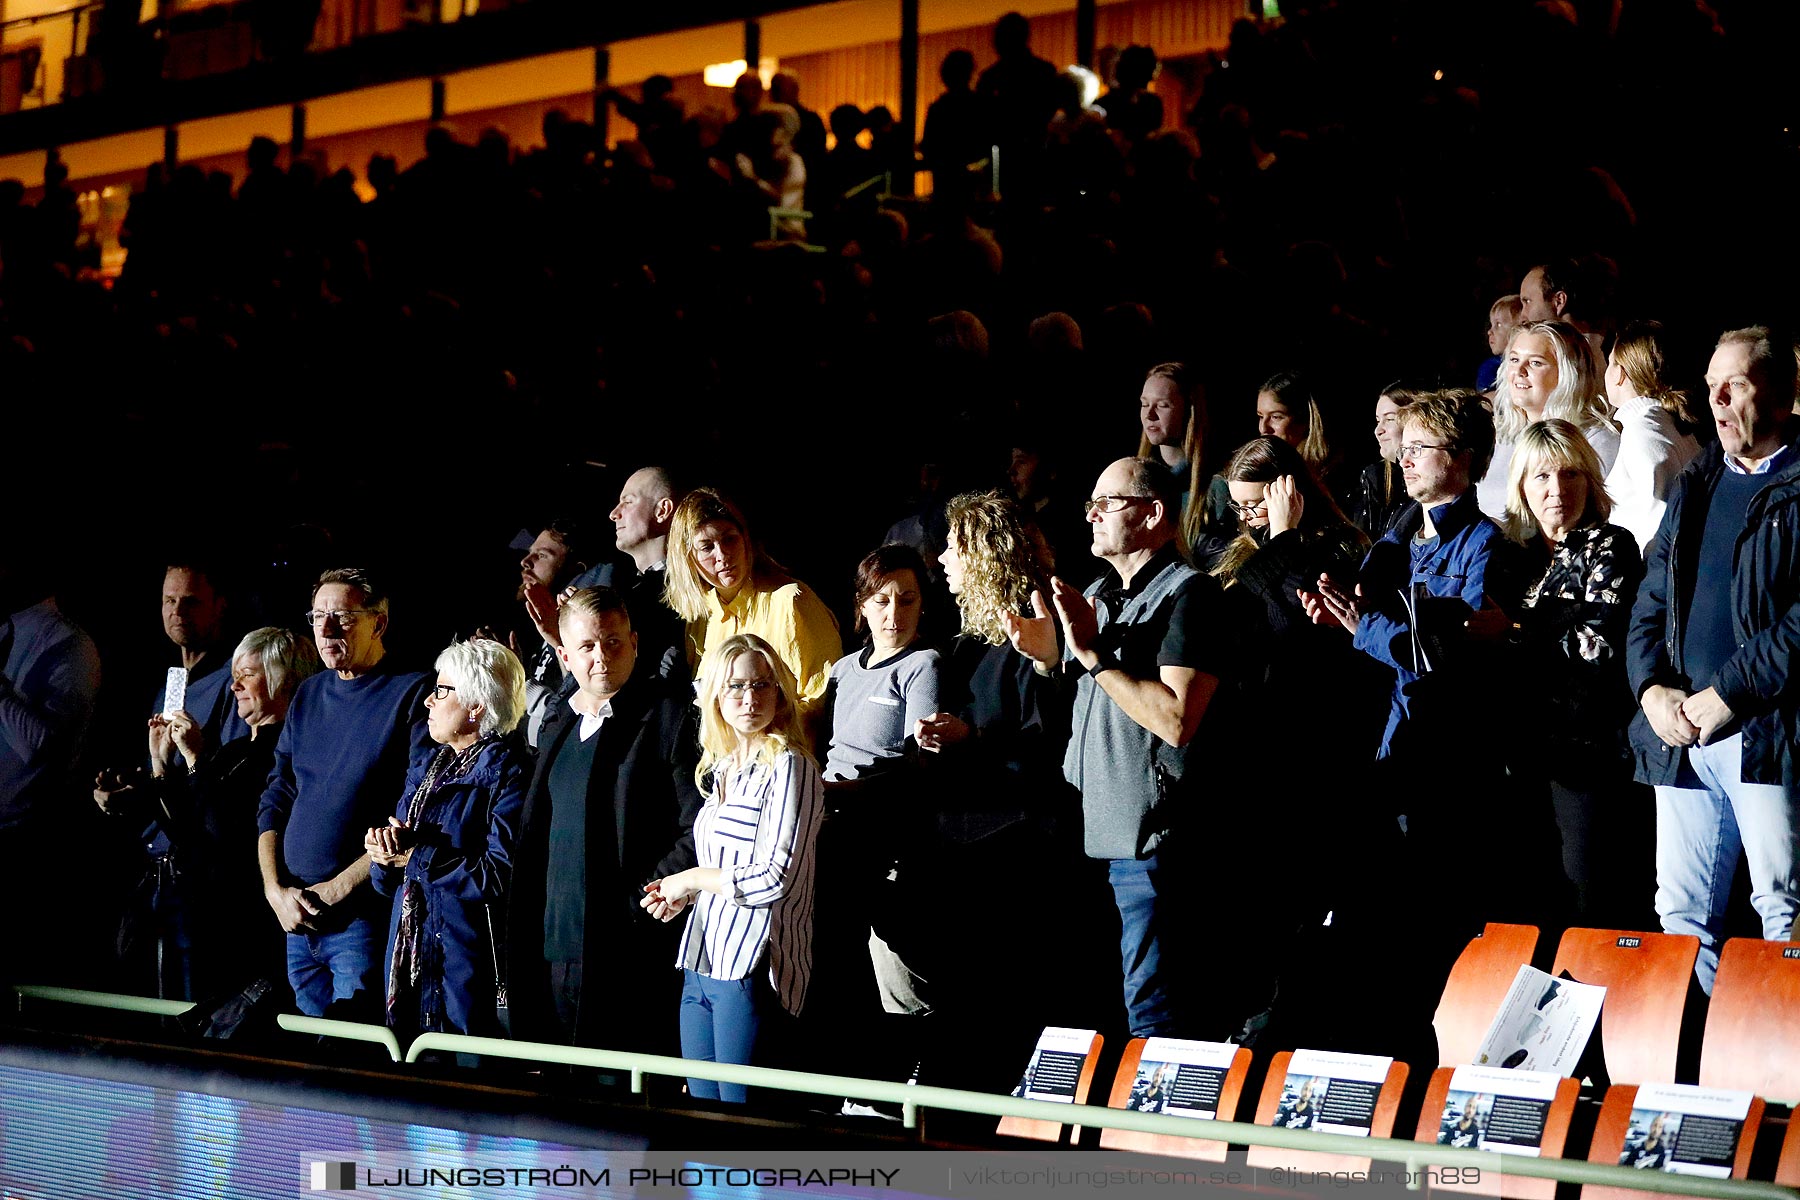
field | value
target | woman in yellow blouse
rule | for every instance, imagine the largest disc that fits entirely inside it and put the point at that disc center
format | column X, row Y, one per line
column 723, row 584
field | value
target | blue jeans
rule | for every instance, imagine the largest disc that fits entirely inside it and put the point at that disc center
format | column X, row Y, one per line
column 1143, row 888
column 325, row 967
column 720, row 1020
column 1699, row 832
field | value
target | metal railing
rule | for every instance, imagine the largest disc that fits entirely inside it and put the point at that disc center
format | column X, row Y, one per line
column 148, row 1005
column 379, row 1035
column 1414, row 1157
column 885, row 179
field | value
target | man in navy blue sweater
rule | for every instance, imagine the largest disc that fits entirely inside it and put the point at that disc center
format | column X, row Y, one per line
column 339, row 768
column 1715, row 635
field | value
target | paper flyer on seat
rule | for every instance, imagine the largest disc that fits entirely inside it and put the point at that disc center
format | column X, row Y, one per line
column 1543, row 1024
column 1181, row 1078
column 1491, row 1108
column 1685, row 1130
column 1331, row 1093
column 1054, row 1071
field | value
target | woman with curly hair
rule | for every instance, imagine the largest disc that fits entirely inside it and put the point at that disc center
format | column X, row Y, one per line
column 994, row 762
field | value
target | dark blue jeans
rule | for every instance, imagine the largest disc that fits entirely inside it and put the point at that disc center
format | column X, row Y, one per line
column 1145, row 890
column 325, row 967
column 720, row 1022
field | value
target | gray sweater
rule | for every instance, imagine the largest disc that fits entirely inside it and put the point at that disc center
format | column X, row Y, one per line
column 873, row 710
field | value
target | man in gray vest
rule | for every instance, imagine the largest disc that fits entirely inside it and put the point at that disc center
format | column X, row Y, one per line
column 1140, row 648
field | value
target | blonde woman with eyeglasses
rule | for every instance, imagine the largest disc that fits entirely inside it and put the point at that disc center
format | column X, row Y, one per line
column 747, row 951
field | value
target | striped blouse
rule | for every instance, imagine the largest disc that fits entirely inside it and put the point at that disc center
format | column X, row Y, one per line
column 759, row 825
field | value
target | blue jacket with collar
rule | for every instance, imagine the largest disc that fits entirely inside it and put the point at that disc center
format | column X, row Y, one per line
column 1756, row 682
column 1458, row 566
column 464, row 861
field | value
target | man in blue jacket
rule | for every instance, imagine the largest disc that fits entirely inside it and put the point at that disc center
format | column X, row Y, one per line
column 1713, row 639
column 1429, row 606
column 339, row 769
column 1424, row 594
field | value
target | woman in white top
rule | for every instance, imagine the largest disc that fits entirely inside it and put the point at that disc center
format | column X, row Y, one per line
column 1656, row 438
column 747, row 946
column 1549, row 371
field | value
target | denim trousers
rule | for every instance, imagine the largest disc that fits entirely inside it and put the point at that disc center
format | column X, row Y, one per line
column 1144, row 890
column 720, row 1022
column 1699, row 832
column 326, row 967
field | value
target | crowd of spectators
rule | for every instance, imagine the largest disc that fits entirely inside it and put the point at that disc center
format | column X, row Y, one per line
column 1288, row 702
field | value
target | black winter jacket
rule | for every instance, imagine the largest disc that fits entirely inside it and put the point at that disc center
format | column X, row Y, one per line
column 1758, row 681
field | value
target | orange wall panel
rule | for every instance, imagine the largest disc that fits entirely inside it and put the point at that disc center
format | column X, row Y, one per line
column 346, row 130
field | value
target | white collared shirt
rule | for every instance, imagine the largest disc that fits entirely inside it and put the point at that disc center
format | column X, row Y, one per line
column 590, row 722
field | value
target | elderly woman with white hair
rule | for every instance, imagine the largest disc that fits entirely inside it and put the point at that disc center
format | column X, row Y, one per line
column 1548, row 371
column 447, row 853
column 198, row 897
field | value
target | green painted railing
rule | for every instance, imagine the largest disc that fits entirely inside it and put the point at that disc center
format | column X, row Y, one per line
column 109, row 1000
column 380, row 1035
column 1414, row 1157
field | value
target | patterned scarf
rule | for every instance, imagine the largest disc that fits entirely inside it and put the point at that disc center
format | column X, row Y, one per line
column 409, row 941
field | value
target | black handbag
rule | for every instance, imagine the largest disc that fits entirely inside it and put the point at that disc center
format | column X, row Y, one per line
column 247, row 1015
column 502, row 1013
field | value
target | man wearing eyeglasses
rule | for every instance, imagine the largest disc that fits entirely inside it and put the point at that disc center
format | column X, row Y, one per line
column 1144, row 657
column 1424, row 605
column 339, row 768
column 1424, row 587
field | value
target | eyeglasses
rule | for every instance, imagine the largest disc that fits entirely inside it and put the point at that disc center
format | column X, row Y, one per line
column 1414, row 449
column 1110, row 504
column 743, row 689
column 1247, row 510
column 343, row 618
column 442, row 691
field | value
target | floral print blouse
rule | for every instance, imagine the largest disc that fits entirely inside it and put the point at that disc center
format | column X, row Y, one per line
column 1574, row 622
